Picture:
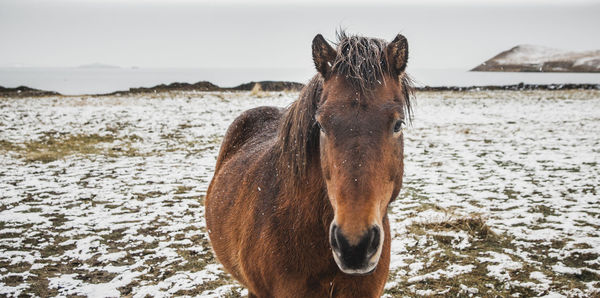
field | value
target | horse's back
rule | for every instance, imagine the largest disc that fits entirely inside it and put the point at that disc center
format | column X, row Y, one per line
column 252, row 127
column 248, row 139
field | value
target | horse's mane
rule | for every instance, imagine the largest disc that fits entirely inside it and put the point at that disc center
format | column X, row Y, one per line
column 362, row 61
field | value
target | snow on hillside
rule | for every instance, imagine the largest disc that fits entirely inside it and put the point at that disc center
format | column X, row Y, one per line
column 533, row 57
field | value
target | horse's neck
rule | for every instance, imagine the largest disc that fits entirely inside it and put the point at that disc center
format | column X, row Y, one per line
column 307, row 213
column 308, row 205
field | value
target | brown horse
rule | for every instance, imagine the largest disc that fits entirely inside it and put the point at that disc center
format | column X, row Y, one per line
column 298, row 203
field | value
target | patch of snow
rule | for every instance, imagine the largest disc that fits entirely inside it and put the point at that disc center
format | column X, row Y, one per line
column 451, row 271
column 503, row 265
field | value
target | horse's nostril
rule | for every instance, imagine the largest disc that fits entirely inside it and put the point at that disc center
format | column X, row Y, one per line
column 333, row 238
column 374, row 238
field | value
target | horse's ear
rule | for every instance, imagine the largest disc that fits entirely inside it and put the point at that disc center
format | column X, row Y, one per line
column 323, row 55
column 397, row 54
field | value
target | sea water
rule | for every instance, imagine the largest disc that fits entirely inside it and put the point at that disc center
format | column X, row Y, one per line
column 74, row 81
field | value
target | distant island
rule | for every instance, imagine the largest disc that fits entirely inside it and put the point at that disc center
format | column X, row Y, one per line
column 532, row 58
column 98, row 65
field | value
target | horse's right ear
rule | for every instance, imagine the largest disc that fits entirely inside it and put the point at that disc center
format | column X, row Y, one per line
column 323, row 55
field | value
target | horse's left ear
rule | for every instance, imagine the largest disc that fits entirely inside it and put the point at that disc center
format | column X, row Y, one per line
column 397, row 54
column 323, row 55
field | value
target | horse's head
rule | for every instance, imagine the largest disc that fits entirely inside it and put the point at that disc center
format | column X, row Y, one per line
column 363, row 108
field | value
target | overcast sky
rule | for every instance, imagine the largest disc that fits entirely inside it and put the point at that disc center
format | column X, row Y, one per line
column 274, row 34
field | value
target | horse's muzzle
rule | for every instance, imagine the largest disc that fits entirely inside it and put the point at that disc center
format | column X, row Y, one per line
column 360, row 258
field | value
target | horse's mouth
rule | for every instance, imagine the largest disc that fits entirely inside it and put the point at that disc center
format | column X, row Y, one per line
column 355, row 272
column 362, row 274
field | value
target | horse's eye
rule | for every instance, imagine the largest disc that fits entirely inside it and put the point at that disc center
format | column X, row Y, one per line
column 398, row 126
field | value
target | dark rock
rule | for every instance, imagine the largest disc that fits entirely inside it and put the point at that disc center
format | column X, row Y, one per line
column 199, row 86
column 23, row 91
column 270, row 86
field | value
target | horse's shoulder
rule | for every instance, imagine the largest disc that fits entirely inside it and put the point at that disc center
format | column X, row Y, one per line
column 260, row 122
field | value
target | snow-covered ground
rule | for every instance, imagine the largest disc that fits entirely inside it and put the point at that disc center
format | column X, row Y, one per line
column 123, row 215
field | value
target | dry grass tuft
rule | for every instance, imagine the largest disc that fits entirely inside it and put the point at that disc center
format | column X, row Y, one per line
column 52, row 147
column 474, row 226
column 257, row 91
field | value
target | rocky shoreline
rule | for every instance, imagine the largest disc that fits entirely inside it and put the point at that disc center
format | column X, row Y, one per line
column 23, row 91
column 208, row 86
column 279, row 86
column 515, row 87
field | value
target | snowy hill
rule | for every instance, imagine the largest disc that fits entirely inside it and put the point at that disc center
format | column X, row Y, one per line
column 542, row 59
